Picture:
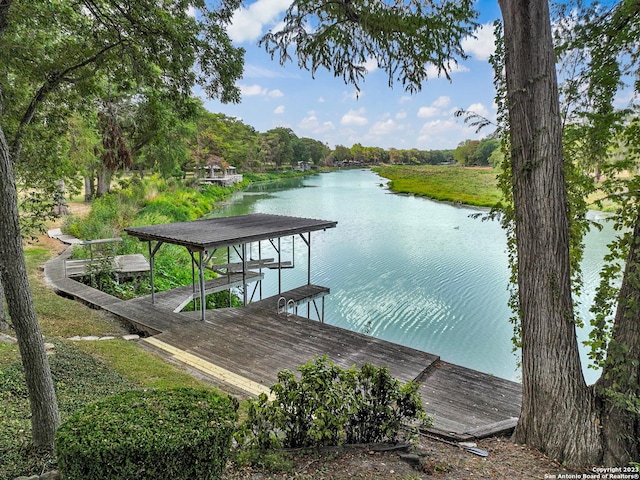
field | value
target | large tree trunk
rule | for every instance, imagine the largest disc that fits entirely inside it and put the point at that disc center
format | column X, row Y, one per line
column 558, row 414
column 621, row 374
column 13, row 274
column 89, row 189
column 3, row 314
column 104, row 181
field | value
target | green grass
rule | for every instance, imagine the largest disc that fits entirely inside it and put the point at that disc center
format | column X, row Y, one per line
column 470, row 186
column 83, row 371
column 79, row 379
column 139, row 366
column 58, row 316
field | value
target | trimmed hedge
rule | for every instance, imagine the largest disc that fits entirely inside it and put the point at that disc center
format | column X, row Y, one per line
column 149, row 434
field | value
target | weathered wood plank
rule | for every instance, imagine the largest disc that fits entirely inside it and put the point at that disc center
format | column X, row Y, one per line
column 130, row 264
column 298, row 296
column 465, row 402
column 281, row 341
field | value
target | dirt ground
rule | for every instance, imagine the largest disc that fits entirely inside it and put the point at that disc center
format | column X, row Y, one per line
column 426, row 459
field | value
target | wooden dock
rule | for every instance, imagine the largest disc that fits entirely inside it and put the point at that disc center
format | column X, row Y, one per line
column 244, row 348
column 122, row 265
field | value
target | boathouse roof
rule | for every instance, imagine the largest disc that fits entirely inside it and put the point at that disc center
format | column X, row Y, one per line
column 211, row 233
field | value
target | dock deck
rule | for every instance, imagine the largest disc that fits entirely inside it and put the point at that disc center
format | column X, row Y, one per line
column 122, row 265
column 244, row 349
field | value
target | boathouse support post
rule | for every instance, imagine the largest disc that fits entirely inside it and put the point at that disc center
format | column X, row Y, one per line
column 260, row 268
column 279, row 268
column 307, row 241
column 244, row 274
column 151, row 275
column 152, row 256
column 193, row 278
column 203, row 302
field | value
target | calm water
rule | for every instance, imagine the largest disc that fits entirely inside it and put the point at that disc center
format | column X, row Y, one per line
column 408, row 270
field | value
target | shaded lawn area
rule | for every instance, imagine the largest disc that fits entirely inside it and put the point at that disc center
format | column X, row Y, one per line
column 83, row 372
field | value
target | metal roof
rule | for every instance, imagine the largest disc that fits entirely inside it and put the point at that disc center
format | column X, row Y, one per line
column 210, row 233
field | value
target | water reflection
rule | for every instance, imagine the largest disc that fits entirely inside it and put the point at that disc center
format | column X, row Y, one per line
column 420, row 273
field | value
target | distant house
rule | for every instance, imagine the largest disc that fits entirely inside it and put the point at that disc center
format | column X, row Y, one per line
column 303, row 167
column 218, row 172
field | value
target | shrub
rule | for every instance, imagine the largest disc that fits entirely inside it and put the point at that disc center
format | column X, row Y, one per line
column 331, row 406
column 177, row 434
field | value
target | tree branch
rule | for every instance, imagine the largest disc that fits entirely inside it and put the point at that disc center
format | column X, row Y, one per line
column 5, row 5
column 52, row 82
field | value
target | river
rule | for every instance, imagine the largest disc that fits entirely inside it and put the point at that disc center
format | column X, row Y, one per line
column 405, row 269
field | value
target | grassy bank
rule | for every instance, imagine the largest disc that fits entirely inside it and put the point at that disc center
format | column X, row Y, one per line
column 471, row 186
column 83, row 371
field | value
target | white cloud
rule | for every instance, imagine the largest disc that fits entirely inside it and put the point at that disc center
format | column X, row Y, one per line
column 354, row 118
column 623, row 98
column 247, row 24
column 405, row 99
column 446, row 133
column 441, row 101
column 252, row 90
column 439, row 134
column 401, row 115
column 436, row 108
column 478, row 109
column 254, row 71
column 280, row 123
column 426, row 112
column 321, row 100
column 371, row 65
column 483, row 45
column 279, row 110
column 384, row 128
column 311, row 124
column 352, row 95
column 256, row 90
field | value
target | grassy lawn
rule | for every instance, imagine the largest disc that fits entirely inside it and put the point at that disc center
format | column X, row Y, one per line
column 471, row 186
column 58, row 316
column 83, row 371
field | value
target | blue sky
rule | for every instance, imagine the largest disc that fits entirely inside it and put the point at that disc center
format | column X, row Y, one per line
column 326, row 109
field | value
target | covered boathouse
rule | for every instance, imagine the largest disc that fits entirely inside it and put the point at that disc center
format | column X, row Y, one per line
column 205, row 238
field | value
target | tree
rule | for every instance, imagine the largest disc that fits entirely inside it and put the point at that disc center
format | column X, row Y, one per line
column 51, row 53
column 277, row 145
column 342, row 154
column 604, row 41
column 300, row 152
column 318, row 151
column 229, row 138
column 84, row 146
column 465, row 152
column 141, row 128
column 482, row 154
column 560, row 414
column 115, row 152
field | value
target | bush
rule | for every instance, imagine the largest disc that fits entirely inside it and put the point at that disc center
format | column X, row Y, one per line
column 331, row 406
column 177, row 434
